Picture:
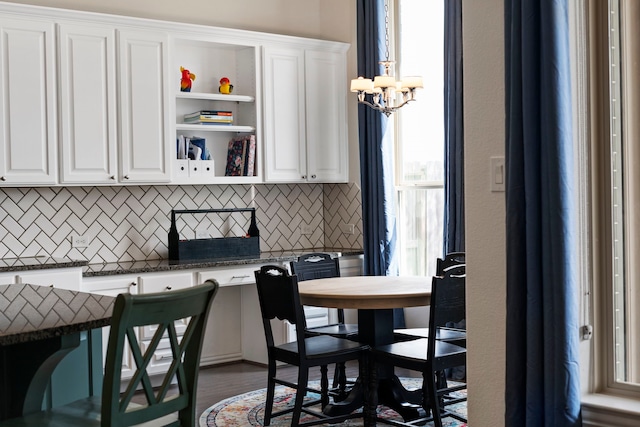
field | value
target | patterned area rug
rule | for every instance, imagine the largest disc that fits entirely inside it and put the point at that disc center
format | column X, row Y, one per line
column 248, row 409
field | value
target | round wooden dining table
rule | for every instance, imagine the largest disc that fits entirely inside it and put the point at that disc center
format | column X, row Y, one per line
column 374, row 297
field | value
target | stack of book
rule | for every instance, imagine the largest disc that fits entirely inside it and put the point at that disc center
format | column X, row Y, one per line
column 241, row 156
column 209, row 117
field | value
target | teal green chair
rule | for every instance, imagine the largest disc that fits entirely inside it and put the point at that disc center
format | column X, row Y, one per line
column 169, row 404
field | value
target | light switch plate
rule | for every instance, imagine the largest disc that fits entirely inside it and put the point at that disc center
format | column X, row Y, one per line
column 497, row 174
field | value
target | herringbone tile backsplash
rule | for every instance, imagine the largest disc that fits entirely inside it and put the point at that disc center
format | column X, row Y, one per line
column 131, row 223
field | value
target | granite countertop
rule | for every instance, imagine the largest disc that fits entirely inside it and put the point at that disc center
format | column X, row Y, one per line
column 32, row 312
column 150, row 266
column 38, row 263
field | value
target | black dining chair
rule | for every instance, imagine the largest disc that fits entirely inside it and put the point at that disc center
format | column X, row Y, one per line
column 453, row 263
column 167, row 405
column 432, row 356
column 450, row 260
column 279, row 298
column 318, row 266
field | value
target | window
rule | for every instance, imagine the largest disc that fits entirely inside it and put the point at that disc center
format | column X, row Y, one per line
column 420, row 136
column 614, row 51
column 624, row 40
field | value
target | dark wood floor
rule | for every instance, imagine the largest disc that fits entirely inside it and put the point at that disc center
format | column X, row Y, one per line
column 222, row 381
column 216, row 383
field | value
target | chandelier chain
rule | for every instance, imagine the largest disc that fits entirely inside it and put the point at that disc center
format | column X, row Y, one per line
column 386, row 28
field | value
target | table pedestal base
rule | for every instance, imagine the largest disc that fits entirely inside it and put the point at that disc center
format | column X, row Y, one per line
column 25, row 371
column 390, row 393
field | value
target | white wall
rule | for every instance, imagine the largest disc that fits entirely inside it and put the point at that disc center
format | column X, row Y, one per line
column 483, row 46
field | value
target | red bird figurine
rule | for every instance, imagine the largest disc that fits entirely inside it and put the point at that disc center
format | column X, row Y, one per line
column 185, row 81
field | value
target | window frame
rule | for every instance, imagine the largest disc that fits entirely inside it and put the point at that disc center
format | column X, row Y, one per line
column 604, row 399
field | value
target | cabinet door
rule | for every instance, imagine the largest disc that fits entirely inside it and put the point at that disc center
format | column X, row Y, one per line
column 144, row 102
column 113, row 286
column 284, row 111
column 88, row 103
column 162, row 282
column 326, row 116
column 63, row 278
column 27, row 110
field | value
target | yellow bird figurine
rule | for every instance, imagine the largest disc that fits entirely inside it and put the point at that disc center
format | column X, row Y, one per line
column 225, row 86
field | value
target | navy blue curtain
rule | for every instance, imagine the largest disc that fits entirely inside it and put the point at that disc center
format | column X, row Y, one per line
column 542, row 376
column 453, row 129
column 376, row 155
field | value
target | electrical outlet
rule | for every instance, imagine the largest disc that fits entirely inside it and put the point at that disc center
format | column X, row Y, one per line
column 202, row 234
column 306, row 229
column 79, row 241
column 348, row 228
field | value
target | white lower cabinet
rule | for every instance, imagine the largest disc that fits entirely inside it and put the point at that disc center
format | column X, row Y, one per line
column 112, row 286
column 351, row 265
column 235, row 330
column 157, row 283
column 63, row 278
column 145, row 283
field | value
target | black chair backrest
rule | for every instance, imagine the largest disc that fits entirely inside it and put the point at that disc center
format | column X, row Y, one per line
column 451, row 260
column 447, row 304
column 315, row 266
column 279, row 298
column 159, row 310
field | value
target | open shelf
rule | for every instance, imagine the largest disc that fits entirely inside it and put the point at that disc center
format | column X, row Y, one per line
column 215, row 96
column 215, row 128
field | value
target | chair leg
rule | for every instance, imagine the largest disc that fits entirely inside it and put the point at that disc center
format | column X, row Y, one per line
column 431, row 395
column 324, row 386
column 271, row 385
column 303, row 382
column 340, row 381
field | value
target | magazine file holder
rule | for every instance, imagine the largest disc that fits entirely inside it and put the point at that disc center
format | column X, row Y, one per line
column 222, row 247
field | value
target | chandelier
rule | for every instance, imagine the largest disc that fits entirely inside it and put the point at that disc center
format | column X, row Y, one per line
column 386, row 94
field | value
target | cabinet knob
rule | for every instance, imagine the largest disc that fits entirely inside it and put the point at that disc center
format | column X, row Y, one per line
column 126, row 177
column 168, row 288
column 112, row 178
column 313, row 177
column 133, row 284
column 2, row 178
column 304, row 176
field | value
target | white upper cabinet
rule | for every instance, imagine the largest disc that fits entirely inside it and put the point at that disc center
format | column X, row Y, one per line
column 305, row 115
column 284, row 112
column 88, row 116
column 28, row 140
column 144, row 107
column 114, row 121
column 95, row 99
column 326, row 116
